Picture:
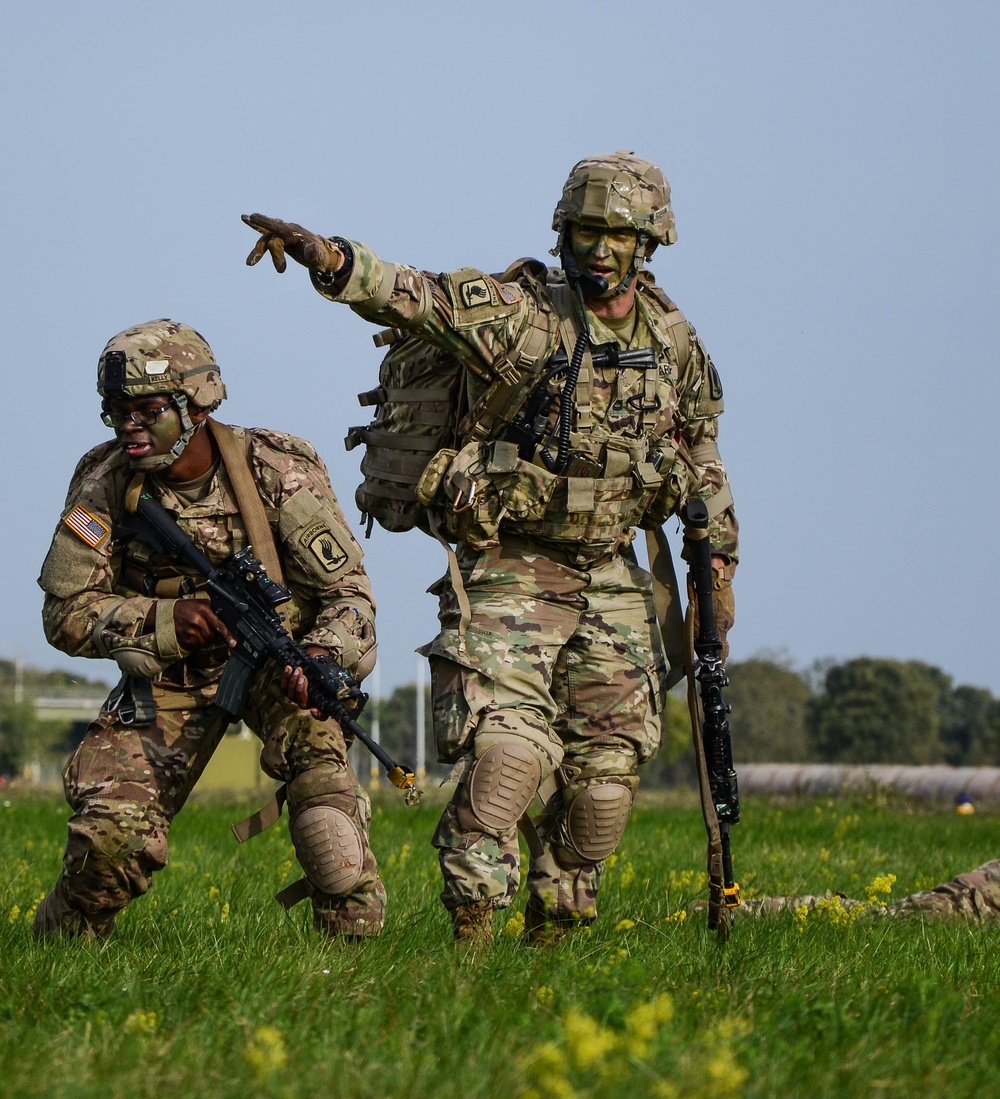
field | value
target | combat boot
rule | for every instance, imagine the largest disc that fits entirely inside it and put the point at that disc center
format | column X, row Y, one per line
column 57, row 915
column 472, row 924
column 541, row 929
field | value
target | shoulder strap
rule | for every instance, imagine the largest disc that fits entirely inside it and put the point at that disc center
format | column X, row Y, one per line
column 236, row 459
column 517, row 372
column 672, row 323
column 562, row 299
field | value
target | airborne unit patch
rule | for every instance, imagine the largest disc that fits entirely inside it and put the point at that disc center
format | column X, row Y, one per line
column 475, row 292
column 87, row 526
column 327, row 550
column 480, row 299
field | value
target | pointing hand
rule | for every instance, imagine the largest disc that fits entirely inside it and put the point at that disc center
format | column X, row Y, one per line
column 285, row 237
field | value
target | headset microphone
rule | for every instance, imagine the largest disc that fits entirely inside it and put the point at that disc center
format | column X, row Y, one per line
column 591, row 285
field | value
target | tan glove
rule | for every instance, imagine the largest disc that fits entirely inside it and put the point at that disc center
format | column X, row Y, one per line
column 285, row 237
column 723, row 603
column 724, row 606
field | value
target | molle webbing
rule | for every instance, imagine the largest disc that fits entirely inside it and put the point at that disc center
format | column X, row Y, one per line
column 516, row 375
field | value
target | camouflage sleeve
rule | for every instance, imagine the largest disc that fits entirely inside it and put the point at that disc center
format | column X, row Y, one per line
column 321, row 558
column 466, row 312
column 701, row 405
column 87, row 610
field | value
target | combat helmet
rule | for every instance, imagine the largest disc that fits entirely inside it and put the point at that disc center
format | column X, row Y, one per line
column 621, row 191
column 161, row 357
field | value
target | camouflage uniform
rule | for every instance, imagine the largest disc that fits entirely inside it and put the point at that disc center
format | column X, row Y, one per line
column 553, row 673
column 974, row 895
column 133, row 772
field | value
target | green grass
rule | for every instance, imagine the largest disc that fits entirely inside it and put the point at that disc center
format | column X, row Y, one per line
column 191, row 997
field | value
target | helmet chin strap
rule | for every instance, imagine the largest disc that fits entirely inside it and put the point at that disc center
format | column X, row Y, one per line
column 163, row 461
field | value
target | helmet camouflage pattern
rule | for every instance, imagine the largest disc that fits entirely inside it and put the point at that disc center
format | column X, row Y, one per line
column 619, row 190
column 160, row 356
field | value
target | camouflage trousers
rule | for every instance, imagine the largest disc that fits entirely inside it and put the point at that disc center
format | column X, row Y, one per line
column 569, row 664
column 126, row 783
column 974, row 895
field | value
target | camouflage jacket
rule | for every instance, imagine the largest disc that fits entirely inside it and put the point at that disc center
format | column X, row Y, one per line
column 488, row 323
column 101, row 585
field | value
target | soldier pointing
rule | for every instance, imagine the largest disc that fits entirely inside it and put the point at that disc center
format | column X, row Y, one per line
column 590, row 409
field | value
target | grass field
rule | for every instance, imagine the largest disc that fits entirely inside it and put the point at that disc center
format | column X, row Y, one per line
column 209, row 988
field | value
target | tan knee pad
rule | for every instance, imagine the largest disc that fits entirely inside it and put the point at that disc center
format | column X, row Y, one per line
column 329, row 848
column 595, row 820
column 502, row 782
column 328, row 842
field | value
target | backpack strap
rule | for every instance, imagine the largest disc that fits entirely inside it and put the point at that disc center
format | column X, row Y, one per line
column 455, row 575
column 670, row 325
column 236, row 459
column 517, row 370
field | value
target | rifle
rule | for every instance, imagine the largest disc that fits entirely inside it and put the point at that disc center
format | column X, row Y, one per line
column 246, row 599
column 712, row 678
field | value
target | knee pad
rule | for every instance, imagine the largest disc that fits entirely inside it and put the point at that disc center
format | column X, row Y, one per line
column 502, row 783
column 595, row 820
column 329, row 848
column 328, row 842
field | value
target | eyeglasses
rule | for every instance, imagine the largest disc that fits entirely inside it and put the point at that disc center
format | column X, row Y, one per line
column 143, row 417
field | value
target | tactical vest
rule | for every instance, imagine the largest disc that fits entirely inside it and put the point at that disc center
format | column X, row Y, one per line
column 433, row 462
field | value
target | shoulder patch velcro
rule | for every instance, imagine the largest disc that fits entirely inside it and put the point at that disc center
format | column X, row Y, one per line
column 84, row 524
column 479, row 299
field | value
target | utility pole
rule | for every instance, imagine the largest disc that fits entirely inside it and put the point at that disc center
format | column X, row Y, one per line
column 420, row 749
column 373, row 773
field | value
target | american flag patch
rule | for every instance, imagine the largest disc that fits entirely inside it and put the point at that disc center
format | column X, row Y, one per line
column 86, row 526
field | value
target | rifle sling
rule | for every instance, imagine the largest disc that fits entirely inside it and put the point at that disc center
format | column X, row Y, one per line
column 236, row 459
column 667, row 601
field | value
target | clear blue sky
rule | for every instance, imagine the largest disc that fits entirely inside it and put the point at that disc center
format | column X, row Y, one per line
column 835, row 172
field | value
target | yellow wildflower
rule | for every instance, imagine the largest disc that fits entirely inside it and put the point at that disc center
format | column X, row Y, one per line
column 265, row 1052
column 15, row 912
column 877, row 886
column 676, row 917
column 679, row 880
column 140, row 1022
column 224, row 914
column 624, row 925
column 544, row 994
column 586, row 1040
column 514, row 927
column 30, row 914
column 643, row 1022
column 214, row 893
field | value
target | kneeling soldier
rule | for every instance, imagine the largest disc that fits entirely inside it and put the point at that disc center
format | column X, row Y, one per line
column 108, row 595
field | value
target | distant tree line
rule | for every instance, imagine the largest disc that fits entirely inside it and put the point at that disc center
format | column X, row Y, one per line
column 862, row 711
